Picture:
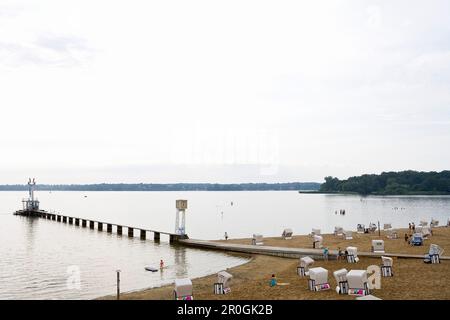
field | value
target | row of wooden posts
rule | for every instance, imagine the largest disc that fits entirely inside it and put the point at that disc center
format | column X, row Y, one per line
column 109, row 226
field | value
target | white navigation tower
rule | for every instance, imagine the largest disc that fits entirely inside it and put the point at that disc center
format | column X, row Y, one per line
column 181, row 206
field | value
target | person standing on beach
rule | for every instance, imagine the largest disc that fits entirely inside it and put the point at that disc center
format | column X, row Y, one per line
column 273, row 281
column 161, row 264
column 406, row 237
column 226, row 235
column 325, row 254
column 339, row 256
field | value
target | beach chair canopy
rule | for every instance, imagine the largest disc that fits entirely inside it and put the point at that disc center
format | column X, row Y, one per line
column 356, row 279
column 318, row 238
column 340, row 275
column 387, row 226
column 183, row 287
column 306, row 261
column 319, row 275
column 225, row 278
column 372, row 227
column 434, row 223
column 348, row 234
column 419, row 229
column 338, row 230
column 423, row 223
column 378, row 245
column 435, row 249
column 352, row 250
column 287, row 233
column 387, row 261
column 258, row 237
column 315, row 232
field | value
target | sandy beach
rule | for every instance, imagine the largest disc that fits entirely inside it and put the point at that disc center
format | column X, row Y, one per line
column 413, row 279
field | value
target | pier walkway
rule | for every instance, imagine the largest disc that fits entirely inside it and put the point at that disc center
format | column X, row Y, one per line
column 287, row 252
column 101, row 225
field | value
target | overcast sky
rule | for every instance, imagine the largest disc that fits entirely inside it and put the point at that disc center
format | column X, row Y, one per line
column 222, row 91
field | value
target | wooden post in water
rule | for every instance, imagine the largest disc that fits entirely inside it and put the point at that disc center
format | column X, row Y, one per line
column 109, row 228
column 48, row 216
column 58, row 218
column 70, row 220
column 53, row 217
column 119, row 230
column 91, row 224
column 100, row 226
column 118, row 284
column 77, row 221
column 130, row 232
column 156, row 236
column 143, row 234
column 83, row 223
column 64, row 219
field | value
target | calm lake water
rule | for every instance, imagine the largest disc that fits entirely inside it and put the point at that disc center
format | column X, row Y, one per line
column 42, row 259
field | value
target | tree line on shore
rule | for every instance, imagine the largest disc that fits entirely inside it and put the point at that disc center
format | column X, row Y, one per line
column 391, row 183
column 169, row 187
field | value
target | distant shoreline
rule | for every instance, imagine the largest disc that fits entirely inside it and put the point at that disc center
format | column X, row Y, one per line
column 289, row 186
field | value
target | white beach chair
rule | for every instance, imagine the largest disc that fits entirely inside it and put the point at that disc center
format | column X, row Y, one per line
column 287, row 234
column 338, row 231
column 305, row 263
column 318, row 279
column 352, row 254
column 434, row 254
column 372, row 227
column 348, row 235
column 183, row 289
column 357, row 282
column 360, row 228
column 258, row 240
column 391, row 234
column 341, row 279
column 434, row 223
column 387, row 226
column 386, row 266
column 223, row 284
column 423, row 223
column 377, row 246
column 317, row 242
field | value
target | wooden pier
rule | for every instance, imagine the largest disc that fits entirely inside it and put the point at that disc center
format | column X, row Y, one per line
column 30, row 208
column 287, row 252
column 99, row 225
